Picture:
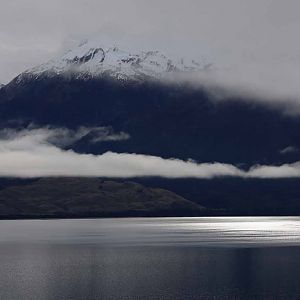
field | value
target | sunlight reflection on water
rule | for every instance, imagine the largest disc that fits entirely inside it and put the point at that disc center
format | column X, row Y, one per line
column 212, row 231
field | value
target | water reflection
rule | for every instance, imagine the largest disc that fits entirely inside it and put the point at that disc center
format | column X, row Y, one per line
column 222, row 231
column 90, row 272
column 150, row 259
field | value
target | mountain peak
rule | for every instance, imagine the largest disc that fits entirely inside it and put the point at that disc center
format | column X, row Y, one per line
column 93, row 59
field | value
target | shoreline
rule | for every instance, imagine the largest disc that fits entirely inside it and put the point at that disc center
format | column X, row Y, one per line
column 90, row 217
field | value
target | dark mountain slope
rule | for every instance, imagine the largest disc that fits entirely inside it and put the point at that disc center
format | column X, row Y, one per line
column 164, row 120
column 236, row 196
column 82, row 197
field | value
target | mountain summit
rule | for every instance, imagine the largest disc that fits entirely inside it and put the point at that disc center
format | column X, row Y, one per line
column 91, row 59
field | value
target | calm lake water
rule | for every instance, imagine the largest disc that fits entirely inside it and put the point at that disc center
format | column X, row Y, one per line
column 163, row 258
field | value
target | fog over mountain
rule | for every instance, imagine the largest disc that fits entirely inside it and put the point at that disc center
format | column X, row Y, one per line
column 253, row 44
column 39, row 153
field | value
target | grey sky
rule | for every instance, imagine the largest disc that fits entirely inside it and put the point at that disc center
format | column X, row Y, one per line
column 256, row 38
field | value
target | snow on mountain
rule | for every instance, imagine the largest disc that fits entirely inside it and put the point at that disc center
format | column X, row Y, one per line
column 92, row 59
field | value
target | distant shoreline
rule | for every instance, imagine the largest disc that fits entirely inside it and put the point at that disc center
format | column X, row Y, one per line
column 133, row 216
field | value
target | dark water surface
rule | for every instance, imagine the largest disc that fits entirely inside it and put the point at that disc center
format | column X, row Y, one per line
column 163, row 258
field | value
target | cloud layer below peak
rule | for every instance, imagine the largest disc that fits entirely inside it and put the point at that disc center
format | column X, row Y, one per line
column 37, row 153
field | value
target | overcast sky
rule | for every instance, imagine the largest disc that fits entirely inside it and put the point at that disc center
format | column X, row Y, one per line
column 258, row 39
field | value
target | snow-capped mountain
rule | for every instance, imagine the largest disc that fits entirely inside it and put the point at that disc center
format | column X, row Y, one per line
column 90, row 58
column 1, row 85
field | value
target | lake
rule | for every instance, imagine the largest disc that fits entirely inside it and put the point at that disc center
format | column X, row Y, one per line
column 151, row 258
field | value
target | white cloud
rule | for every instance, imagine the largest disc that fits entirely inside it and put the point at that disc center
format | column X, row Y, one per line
column 283, row 171
column 30, row 153
column 289, row 149
column 107, row 135
column 60, row 137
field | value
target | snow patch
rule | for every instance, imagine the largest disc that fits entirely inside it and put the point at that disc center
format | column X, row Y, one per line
column 90, row 58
